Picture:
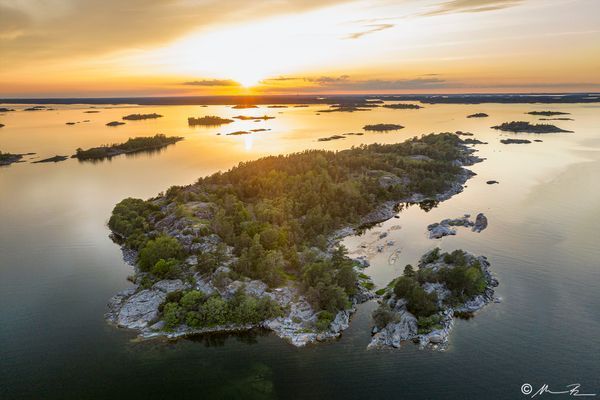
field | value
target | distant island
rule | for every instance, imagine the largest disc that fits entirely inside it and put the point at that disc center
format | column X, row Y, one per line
column 2, row 125
column 54, row 159
column 329, row 138
column 237, row 133
column 9, row 158
column 136, row 117
column 133, row 145
column 243, row 106
column 547, row 113
column 257, row 245
column 382, row 127
column 421, row 304
column 208, row 120
column 3, row 109
column 522, row 126
column 115, row 123
column 478, row 115
column 402, row 106
column 515, row 141
column 35, row 108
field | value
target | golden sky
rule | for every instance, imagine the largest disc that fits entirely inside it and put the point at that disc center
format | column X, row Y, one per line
column 100, row 48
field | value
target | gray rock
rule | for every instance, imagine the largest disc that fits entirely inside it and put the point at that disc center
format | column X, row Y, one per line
column 437, row 231
column 169, row 286
column 140, row 309
column 481, row 222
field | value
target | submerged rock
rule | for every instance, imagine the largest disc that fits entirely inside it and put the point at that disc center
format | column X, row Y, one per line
column 481, row 222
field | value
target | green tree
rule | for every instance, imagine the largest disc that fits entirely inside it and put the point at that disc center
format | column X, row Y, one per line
column 163, row 247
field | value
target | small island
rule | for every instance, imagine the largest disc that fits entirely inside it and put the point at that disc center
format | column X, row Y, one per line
column 420, row 306
column 382, row 127
column 9, row 158
column 515, row 141
column 334, row 137
column 35, row 108
column 548, row 113
column 4, row 109
column 208, row 120
column 54, row 159
column 478, row 115
column 244, row 106
column 237, row 133
column 402, row 106
column 137, row 117
column 115, row 123
column 91, row 111
column 257, row 246
column 133, row 145
column 2, row 125
column 522, row 126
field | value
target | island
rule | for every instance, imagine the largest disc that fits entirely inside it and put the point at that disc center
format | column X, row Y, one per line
column 515, row 141
column 548, row 113
column 243, row 106
column 236, row 133
column 329, row 138
column 91, row 111
column 478, row 115
column 382, row 127
column 277, row 106
column 420, row 305
column 2, row 125
column 259, row 130
column 522, row 126
column 137, row 117
column 209, row 120
column 35, row 108
column 54, row 159
column 133, row 145
column 9, row 158
column 447, row 226
column 4, row 109
column 402, row 106
column 115, row 123
column 257, row 246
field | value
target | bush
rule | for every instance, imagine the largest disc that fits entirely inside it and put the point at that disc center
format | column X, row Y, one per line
column 383, row 316
column 163, row 247
column 324, row 319
column 171, row 315
column 418, row 301
column 166, row 269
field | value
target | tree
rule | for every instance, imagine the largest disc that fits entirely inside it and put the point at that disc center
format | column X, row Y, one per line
column 166, row 269
column 163, row 247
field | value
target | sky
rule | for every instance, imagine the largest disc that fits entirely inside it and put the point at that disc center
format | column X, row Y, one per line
column 112, row 48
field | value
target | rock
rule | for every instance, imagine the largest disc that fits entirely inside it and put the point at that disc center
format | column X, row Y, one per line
column 383, row 235
column 436, row 338
column 492, row 182
column 168, row 286
column 340, row 322
column 204, row 285
column 140, row 309
column 481, row 223
column 437, row 231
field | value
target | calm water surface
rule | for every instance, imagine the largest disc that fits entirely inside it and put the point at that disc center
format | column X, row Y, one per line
column 58, row 267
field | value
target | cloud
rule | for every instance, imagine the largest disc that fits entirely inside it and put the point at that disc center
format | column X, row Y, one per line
column 457, row 6
column 346, row 83
column 212, row 82
column 372, row 29
column 36, row 31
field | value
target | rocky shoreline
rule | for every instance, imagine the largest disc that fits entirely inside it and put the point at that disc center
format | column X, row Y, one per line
column 138, row 307
column 405, row 326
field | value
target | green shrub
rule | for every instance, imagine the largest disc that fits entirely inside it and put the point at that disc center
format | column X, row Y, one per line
column 163, row 247
column 166, row 269
column 383, row 316
column 324, row 319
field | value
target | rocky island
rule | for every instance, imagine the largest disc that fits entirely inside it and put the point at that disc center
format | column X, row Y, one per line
column 478, row 115
column 382, row 127
column 115, row 123
column 54, row 159
column 402, row 106
column 133, row 145
column 522, row 126
column 208, row 120
column 548, row 113
column 515, row 141
column 249, row 117
column 421, row 305
column 9, row 158
column 447, row 226
column 137, row 117
column 257, row 246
